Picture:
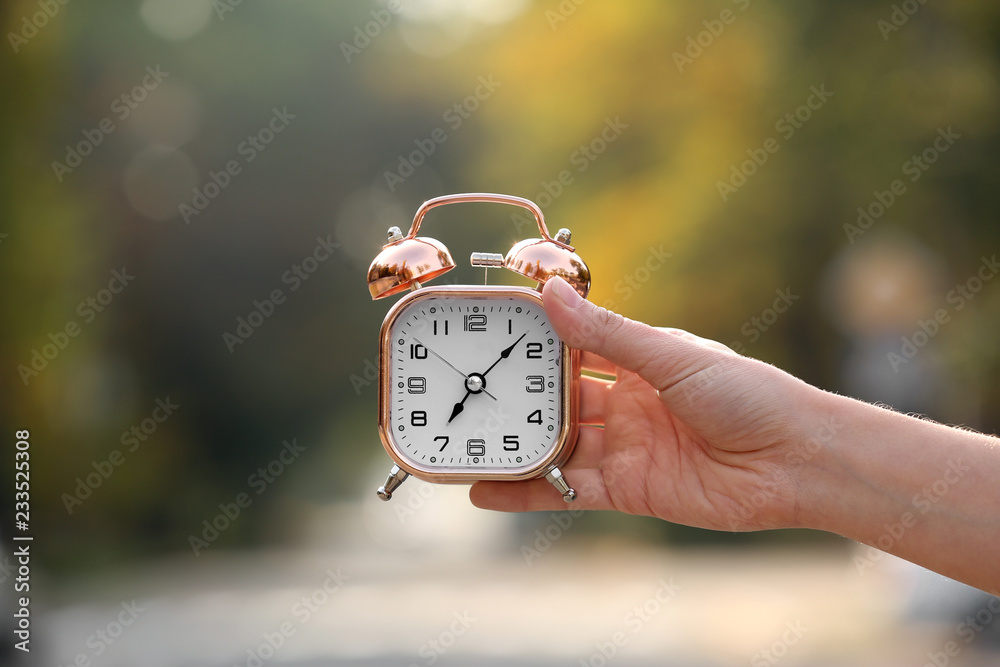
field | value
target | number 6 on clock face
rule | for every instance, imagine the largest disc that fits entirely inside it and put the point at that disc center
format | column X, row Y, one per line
column 475, row 384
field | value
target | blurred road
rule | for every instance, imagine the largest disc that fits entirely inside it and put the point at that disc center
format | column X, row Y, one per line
column 347, row 599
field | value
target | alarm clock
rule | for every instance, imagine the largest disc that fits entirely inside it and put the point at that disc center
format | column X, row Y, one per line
column 474, row 382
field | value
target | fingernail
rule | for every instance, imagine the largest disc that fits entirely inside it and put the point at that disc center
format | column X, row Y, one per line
column 566, row 293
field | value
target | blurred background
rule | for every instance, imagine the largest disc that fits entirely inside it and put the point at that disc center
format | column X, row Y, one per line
column 191, row 192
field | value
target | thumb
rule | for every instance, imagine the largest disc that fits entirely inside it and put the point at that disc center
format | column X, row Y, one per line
column 658, row 356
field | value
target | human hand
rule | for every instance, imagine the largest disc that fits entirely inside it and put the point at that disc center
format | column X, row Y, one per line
column 696, row 434
column 714, row 447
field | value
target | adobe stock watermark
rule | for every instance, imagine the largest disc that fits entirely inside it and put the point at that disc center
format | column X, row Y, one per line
column 103, row 637
column 295, row 276
column 898, row 17
column 415, row 500
column 635, row 621
column 249, row 149
column 922, row 503
column 495, row 420
column 432, row 649
column 772, row 655
column 698, row 385
column 302, row 611
column 634, row 281
column 749, row 507
column 698, row 43
column 32, row 23
column 454, row 117
column 915, row 167
column 223, row 7
column 415, row 497
column 582, row 157
column 958, row 297
column 258, row 482
column 364, row 35
column 421, row 326
column 560, row 522
column 122, row 107
column 828, row 428
column 562, row 12
column 367, row 377
column 786, row 127
column 88, row 310
column 757, row 325
column 967, row 630
column 131, row 439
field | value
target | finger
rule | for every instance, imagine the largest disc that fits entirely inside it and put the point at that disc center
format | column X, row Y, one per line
column 662, row 359
column 589, row 451
column 593, row 396
column 694, row 338
column 538, row 494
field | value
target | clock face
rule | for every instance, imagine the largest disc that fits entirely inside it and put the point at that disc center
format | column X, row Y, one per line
column 473, row 381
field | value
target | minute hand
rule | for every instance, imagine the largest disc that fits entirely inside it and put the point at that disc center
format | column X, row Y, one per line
column 505, row 353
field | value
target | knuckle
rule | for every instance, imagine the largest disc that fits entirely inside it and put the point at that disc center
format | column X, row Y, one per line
column 610, row 325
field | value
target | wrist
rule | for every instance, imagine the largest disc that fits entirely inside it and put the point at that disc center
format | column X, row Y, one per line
column 865, row 469
column 899, row 484
column 830, row 496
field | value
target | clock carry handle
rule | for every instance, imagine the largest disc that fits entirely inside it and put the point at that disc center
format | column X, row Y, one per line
column 484, row 197
column 537, row 259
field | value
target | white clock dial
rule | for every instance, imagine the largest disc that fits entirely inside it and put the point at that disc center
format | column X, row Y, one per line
column 474, row 382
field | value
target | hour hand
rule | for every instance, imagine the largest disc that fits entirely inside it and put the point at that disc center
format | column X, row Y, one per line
column 457, row 410
column 474, row 384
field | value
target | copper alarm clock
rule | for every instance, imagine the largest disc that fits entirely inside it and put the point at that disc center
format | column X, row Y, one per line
column 474, row 383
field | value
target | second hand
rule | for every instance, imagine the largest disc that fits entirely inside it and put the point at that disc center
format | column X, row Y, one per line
column 451, row 365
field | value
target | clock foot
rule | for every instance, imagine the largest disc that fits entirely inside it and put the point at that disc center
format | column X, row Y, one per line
column 396, row 477
column 557, row 480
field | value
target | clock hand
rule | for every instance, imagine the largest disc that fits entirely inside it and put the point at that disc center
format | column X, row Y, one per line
column 452, row 366
column 505, row 353
column 457, row 410
column 441, row 358
column 474, row 384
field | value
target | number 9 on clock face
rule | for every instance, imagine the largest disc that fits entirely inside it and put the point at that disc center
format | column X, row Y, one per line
column 475, row 384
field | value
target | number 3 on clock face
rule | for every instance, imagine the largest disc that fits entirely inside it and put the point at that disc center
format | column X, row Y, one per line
column 475, row 384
